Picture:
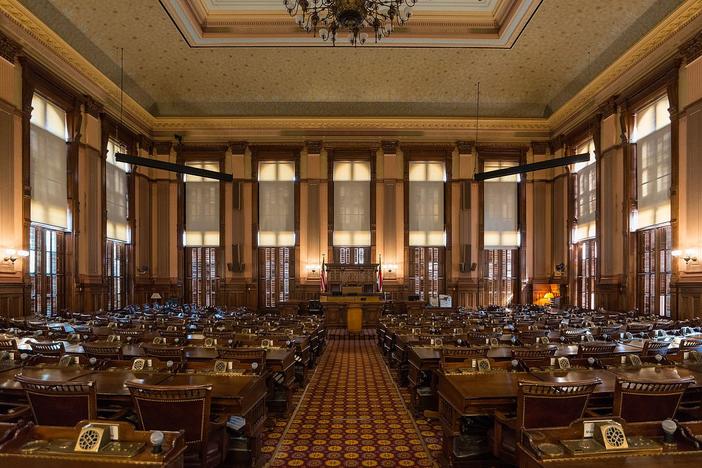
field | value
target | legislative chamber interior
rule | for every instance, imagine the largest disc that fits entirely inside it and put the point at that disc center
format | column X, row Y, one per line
column 350, row 233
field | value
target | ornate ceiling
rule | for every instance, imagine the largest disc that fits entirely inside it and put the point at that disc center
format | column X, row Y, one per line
column 435, row 23
column 543, row 68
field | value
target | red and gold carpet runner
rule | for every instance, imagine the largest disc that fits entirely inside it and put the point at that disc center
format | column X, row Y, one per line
column 351, row 414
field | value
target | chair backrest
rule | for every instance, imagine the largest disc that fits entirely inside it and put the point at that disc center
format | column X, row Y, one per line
column 459, row 355
column 245, row 356
column 174, row 408
column 542, row 404
column 532, row 353
column 642, row 400
column 595, row 349
column 8, row 345
column 690, row 343
column 651, row 348
column 165, row 353
column 103, row 350
column 56, row 403
column 48, row 349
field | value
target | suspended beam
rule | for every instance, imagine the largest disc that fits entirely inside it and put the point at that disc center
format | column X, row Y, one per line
column 166, row 166
column 537, row 166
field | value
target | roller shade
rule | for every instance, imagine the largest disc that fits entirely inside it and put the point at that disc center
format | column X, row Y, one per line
column 426, row 204
column 48, row 155
column 586, row 194
column 116, row 193
column 500, row 208
column 653, row 164
column 201, row 208
column 276, row 204
column 352, row 204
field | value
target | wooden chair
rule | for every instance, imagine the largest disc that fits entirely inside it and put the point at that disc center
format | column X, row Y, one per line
column 651, row 348
column 103, row 350
column 48, row 349
column 532, row 353
column 642, row 400
column 246, row 356
column 165, row 353
column 539, row 405
column 56, row 403
column 595, row 349
column 8, row 345
column 187, row 408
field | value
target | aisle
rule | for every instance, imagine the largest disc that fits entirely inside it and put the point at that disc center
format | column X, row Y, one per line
column 351, row 415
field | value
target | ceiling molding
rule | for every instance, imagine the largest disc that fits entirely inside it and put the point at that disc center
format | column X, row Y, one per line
column 617, row 71
column 39, row 41
column 39, row 36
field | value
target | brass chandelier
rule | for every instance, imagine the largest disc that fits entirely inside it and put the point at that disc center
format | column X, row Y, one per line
column 330, row 17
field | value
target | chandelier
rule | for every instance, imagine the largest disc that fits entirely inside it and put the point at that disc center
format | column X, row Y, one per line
column 330, row 17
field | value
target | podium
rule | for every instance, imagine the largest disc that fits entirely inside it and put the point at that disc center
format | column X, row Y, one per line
column 352, row 312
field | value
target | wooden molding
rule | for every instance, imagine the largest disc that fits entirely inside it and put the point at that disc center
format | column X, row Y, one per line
column 9, row 49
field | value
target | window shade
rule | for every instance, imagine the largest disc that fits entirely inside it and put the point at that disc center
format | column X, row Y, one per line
column 585, row 194
column 201, row 207
column 500, row 208
column 116, row 188
column 276, row 204
column 426, row 204
column 48, row 155
column 653, row 163
column 352, row 204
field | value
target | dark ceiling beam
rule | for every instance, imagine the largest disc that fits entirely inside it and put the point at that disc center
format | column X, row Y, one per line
column 166, row 166
column 537, row 166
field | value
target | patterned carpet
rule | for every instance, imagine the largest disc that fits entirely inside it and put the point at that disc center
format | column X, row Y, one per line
column 351, row 414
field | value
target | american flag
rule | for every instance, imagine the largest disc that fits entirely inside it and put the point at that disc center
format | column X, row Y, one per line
column 380, row 274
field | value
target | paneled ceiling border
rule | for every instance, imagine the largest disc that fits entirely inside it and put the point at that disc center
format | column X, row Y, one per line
column 203, row 26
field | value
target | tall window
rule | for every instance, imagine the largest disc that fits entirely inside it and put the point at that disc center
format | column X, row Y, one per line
column 654, row 270
column 500, row 276
column 49, row 205
column 426, row 201
column 651, row 218
column 653, row 164
column 277, row 275
column 46, row 270
column 201, row 275
column 276, row 204
column 585, row 194
column 117, row 193
column 586, row 271
column 500, row 214
column 352, row 255
column 352, row 203
column 118, row 235
column 426, row 273
column 116, row 274
column 276, row 229
column 201, row 207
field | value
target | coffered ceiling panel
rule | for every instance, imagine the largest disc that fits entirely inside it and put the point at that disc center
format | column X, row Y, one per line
column 435, row 23
column 564, row 44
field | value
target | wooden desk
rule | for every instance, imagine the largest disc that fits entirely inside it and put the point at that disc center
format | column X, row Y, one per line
column 11, row 455
column 682, row 454
column 336, row 310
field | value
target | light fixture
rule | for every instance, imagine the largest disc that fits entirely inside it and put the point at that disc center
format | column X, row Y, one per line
column 312, row 267
column 331, row 17
column 390, row 267
column 690, row 255
column 11, row 255
column 155, row 297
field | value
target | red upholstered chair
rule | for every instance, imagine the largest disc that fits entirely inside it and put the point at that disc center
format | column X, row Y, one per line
column 186, row 407
column 539, row 405
column 59, row 403
column 641, row 400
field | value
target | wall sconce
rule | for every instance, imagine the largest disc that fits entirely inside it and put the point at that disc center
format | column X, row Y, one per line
column 390, row 267
column 690, row 255
column 11, row 255
column 313, row 268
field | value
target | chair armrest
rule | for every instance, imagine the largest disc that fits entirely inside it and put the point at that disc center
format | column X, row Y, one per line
column 506, row 418
column 113, row 414
column 217, row 422
column 19, row 412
